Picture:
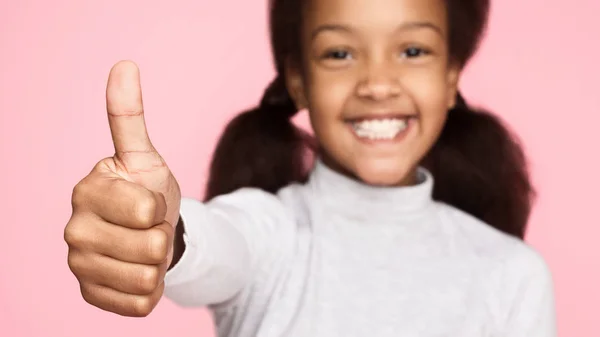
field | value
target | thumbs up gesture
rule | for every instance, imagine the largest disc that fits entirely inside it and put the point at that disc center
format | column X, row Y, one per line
column 120, row 234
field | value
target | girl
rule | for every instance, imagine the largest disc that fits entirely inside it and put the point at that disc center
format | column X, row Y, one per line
column 409, row 222
column 362, row 248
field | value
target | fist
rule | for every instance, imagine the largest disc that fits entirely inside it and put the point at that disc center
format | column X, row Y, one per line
column 120, row 234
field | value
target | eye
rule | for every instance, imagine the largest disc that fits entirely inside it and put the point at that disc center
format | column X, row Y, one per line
column 414, row 52
column 338, row 54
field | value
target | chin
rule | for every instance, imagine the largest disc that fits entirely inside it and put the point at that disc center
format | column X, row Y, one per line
column 384, row 172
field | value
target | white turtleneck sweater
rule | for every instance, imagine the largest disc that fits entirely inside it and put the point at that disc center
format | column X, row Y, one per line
column 334, row 257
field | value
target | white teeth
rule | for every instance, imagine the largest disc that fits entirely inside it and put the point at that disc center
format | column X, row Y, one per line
column 379, row 128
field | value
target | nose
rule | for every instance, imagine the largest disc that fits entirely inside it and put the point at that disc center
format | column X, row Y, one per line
column 379, row 81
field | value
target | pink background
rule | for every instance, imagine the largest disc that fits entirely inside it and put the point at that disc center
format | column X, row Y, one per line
column 201, row 62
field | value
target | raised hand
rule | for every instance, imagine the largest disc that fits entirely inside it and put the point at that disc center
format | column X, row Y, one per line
column 120, row 234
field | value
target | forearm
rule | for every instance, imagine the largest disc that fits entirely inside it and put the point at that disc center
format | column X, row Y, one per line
column 210, row 257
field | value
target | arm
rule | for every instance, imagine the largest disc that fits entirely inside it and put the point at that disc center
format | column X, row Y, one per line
column 219, row 246
column 532, row 312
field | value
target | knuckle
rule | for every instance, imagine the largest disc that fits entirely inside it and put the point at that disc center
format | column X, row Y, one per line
column 88, row 294
column 158, row 245
column 78, row 194
column 148, row 279
column 75, row 234
column 74, row 262
column 142, row 306
column 131, row 111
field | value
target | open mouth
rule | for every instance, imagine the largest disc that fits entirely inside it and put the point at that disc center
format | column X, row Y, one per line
column 381, row 128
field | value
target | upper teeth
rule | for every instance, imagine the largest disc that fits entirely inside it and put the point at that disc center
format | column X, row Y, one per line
column 379, row 128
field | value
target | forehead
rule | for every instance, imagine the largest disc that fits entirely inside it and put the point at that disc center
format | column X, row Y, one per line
column 372, row 14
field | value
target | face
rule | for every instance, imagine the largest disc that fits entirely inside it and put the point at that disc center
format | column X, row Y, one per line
column 377, row 83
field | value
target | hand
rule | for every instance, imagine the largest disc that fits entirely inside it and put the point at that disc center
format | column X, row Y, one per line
column 120, row 234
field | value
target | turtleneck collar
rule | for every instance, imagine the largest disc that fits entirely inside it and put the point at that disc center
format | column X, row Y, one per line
column 347, row 196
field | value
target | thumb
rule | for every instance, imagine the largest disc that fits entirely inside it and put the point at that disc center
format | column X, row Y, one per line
column 125, row 110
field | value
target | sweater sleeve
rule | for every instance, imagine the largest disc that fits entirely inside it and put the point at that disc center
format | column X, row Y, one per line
column 532, row 311
column 226, row 239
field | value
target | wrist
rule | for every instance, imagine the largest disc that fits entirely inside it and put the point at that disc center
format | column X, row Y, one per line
column 178, row 243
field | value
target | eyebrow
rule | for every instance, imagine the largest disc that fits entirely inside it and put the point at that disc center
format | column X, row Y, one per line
column 413, row 25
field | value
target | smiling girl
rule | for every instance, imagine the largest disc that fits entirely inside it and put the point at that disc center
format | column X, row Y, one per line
column 409, row 222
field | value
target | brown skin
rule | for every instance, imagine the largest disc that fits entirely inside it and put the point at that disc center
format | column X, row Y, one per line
column 120, row 233
column 365, row 57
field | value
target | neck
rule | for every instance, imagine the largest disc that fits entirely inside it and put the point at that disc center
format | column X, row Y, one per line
column 346, row 195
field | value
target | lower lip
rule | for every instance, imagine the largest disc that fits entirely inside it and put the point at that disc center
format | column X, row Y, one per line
column 396, row 139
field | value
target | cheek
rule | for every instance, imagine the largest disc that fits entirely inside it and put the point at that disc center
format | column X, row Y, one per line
column 429, row 91
column 328, row 94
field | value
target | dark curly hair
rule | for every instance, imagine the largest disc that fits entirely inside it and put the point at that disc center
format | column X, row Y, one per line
column 478, row 164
